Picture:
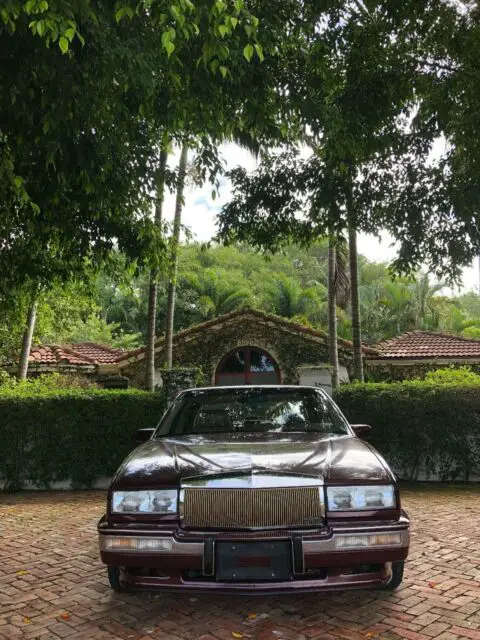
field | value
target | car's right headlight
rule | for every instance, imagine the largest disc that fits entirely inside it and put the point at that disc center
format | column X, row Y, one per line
column 361, row 498
column 161, row 501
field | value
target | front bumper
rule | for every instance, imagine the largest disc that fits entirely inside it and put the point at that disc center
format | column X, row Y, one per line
column 186, row 561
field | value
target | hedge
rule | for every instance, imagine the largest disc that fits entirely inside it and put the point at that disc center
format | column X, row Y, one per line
column 80, row 435
column 76, row 435
column 421, row 427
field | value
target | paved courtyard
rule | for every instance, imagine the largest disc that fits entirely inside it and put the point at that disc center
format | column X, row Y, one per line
column 52, row 584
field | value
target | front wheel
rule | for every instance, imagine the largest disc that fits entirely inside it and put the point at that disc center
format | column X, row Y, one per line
column 397, row 575
column 114, row 579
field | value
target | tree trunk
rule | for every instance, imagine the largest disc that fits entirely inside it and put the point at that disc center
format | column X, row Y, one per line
column 152, row 296
column 354, row 295
column 332, row 313
column 182, row 169
column 27, row 340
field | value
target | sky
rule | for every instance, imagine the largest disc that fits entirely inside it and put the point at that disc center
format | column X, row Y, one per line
column 200, row 211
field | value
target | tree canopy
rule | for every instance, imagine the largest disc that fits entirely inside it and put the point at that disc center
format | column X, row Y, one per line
column 382, row 84
column 292, row 284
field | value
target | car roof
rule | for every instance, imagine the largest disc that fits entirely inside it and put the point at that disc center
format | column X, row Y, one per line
column 253, row 387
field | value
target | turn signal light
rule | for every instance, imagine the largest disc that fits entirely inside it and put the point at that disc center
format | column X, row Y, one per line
column 372, row 540
column 130, row 543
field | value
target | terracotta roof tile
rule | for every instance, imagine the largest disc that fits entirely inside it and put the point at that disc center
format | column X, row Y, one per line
column 83, row 353
column 428, row 344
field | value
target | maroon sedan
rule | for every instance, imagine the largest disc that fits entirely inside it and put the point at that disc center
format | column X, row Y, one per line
column 254, row 489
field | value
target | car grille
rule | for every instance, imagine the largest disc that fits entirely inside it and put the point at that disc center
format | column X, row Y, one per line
column 251, row 508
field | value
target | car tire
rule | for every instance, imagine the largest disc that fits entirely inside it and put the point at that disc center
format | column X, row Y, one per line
column 114, row 579
column 397, row 575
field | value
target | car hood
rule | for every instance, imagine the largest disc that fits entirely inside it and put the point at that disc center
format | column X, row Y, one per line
column 168, row 461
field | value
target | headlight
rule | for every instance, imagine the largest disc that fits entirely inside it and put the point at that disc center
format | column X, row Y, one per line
column 361, row 498
column 162, row 501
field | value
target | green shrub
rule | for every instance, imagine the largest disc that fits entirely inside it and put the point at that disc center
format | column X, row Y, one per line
column 64, row 434
column 420, row 426
column 453, row 375
column 45, row 382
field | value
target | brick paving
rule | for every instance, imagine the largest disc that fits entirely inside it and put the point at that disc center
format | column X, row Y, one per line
column 53, row 585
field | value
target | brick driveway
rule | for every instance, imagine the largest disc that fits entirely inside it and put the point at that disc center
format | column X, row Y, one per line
column 52, row 584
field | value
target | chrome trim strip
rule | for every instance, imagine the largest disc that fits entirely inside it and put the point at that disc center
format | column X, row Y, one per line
column 253, row 479
column 309, row 546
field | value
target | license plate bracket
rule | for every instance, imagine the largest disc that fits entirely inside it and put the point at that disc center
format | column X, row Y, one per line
column 253, row 561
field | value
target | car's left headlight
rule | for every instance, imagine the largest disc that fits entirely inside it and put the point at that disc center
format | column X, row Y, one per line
column 162, row 501
column 367, row 498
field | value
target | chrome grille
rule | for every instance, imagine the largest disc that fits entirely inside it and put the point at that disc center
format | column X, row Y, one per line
column 251, row 508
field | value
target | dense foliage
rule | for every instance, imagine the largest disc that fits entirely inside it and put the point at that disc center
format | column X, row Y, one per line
column 50, row 434
column 423, row 428
column 54, row 435
column 217, row 280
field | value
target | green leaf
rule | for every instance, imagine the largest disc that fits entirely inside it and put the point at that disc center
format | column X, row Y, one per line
column 248, row 52
column 238, row 5
column 259, row 50
column 167, row 37
column 40, row 28
column 233, row 22
column 69, row 33
column 222, row 29
column 223, row 71
column 169, row 47
column 18, row 181
column 63, row 44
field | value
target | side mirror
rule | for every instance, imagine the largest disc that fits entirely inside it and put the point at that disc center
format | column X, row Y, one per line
column 362, row 430
column 142, row 435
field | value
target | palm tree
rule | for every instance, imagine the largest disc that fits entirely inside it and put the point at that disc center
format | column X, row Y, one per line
column 153, row 288
column 332, row 311
column 423, row 306
column 287, row 298
column 218, row 295
column 173, row 265
column 355, row 305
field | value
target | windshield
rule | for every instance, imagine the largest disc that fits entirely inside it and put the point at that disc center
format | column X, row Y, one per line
column 253, row 410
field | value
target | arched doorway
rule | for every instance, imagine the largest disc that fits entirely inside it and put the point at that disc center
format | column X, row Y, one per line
column 247, row 365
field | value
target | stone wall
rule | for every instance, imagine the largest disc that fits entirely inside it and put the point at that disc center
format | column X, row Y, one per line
column 176, row 380
column 206, row 348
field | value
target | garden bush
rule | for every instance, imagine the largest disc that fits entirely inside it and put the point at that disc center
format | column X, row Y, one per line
column 422, row 427
column 54, row 435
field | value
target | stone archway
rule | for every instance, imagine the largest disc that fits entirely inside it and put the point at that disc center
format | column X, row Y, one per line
column 247, row 365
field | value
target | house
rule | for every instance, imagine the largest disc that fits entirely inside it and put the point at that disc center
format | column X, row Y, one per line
column 413, row 354
column 252, row 347
column 248, row 347
column 88, row 359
